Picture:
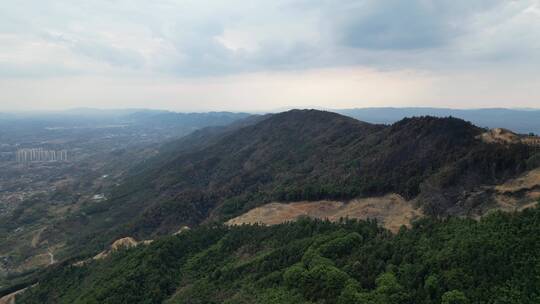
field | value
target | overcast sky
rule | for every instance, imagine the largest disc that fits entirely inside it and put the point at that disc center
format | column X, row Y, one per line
column 263, row 55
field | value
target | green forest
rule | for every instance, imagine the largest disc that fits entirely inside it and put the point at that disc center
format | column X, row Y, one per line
column 453, row 260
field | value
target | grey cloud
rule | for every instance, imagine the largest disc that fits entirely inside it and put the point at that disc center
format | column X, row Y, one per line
column 407, row 25
column 10, row 70
column 289, row 34
column 113, row 56
column 403, row 25
column 98, row 50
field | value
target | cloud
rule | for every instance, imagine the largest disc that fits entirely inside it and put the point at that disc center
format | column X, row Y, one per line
column 188, row 39
column 191, row 38
column 402, row 25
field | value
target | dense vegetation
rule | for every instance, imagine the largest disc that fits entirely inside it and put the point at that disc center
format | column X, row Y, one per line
column 494, row 260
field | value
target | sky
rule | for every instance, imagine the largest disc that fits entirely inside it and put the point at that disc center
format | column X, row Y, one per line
column 264, row 55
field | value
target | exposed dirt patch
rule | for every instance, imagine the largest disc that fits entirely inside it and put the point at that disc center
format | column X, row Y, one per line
column 122, row 243
column 519, row 193
column 499, row 135
column 126, row 242
column 527, row 181
column 504, row 136
column 10, row 298
column 392, row 211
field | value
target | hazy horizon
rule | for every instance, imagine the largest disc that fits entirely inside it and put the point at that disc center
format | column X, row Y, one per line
column 276, row 110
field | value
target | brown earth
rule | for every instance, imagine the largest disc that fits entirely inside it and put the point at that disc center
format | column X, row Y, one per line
column 499, row 135
column 519, row 193
column 10, row 298
column 122, row 243
column 504, row 136
column 391, row 210
column 529, row 180
column 126, row 242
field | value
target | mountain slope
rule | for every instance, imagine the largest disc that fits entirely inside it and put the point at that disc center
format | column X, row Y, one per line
column 302, row 155
column 494, row 260
column 305, row 155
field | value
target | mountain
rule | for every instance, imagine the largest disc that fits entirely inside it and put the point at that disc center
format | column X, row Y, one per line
column 518, row 120
column 308, row 155
column 219, row 173
column 444, row 166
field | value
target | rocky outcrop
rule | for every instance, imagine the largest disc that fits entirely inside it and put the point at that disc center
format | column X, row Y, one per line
column 501, row 136
column 504, row 136
column 123, row 243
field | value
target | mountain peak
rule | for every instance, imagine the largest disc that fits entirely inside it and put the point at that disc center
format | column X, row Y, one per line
column 446, row 128
column 310, row 114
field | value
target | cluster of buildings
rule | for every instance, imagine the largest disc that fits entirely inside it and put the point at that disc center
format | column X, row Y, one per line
column 40, row 155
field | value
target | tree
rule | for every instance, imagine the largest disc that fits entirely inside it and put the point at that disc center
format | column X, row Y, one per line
column 389, row 291
column 432, row 286
column 294, row 276
column 324, row 282
column 454, row 297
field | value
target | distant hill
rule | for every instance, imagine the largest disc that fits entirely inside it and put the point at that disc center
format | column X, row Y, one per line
column 34, row 126
column 149, row 118
column 193, row 120
column 520, row 121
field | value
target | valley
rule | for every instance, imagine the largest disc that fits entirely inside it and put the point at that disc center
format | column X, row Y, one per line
column 36, row 193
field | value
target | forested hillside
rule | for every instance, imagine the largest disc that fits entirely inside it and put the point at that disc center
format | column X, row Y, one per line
column 494, row 260
column 303, row 155
column 217, row 174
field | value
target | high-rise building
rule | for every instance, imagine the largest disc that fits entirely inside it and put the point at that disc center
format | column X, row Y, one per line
column 40, row 155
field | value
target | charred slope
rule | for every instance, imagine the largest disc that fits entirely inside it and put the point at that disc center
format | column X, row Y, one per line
column 308, row 154
column 305, row 155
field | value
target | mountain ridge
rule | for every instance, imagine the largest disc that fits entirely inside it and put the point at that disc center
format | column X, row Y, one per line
column 306, row 155
column 518, row 120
